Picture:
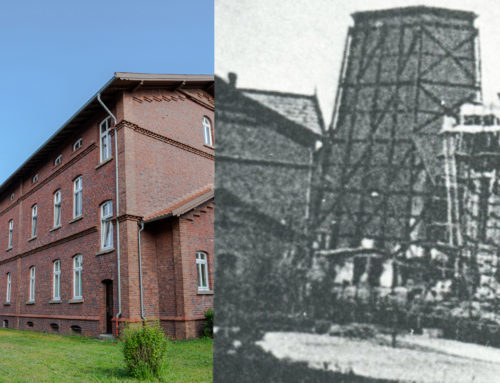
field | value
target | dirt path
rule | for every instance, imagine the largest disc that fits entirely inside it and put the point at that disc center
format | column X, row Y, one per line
column 441, row 361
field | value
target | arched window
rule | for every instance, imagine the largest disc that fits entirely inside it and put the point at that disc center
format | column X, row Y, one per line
column 57, row 208
column 56, row 288
column 77, row 277
column 202, row 270
column 7, row 295
column 77, row 197
column 34, row 220
column 106, row 225
column 11, row 233
column 32, row 284
column 104, row 129
column 207, row 131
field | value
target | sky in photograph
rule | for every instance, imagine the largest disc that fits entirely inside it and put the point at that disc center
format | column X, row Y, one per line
column 297, row 45
column 56, row 54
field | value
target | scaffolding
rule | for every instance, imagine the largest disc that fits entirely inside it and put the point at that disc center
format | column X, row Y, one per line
column 380, row 175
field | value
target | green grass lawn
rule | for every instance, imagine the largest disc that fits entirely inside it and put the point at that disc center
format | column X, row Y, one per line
column 27, row 356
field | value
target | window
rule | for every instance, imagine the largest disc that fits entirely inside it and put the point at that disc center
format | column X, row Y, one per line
column 12, row 196
column 7, row 295
column 77, row 197
column 56, row 288
column 77, row 145
column 35, row 178
column 34, row 219
column 105, row 128
column 106, row 225
column 202, row 268
column 32, row 284
column 58, row 160
column 77, row 277
column 57, row 208
column 11, row 233
column 207, row 131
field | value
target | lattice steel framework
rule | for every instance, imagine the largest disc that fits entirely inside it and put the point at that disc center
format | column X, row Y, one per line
column 403, row 70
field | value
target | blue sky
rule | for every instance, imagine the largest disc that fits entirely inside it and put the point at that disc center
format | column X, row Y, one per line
column 56, row 54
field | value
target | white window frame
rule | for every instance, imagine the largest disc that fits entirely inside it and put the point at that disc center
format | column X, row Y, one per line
column 78, row 144
column 105, row 139
column 7, row 295
column 207, row 131
column 35, row 178
column 56, row 281
column 57, row 208
column 202, row 270
column 58, row 160
column 78, row 197
column 32, row 283
column 11, row 234
column 34, row 221
column 77, row 277
column 106, row 225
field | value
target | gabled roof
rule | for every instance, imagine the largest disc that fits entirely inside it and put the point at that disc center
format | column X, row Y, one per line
column 121, row 81
column 299, row 108
column 233, row 100
column 184, row 204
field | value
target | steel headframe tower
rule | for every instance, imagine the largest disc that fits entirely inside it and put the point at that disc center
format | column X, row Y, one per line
column 403, row 70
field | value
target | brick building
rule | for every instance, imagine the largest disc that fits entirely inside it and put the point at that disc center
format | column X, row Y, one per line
column 111, row 220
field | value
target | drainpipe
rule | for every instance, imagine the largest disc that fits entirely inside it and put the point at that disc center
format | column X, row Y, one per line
column 117, row 213
column 141, row 225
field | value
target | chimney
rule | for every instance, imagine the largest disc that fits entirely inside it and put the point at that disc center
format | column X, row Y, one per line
column 232, row 79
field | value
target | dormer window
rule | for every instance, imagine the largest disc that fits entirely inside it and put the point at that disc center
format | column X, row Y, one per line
column 58, row 160
column 35, row 178
column 77, row 145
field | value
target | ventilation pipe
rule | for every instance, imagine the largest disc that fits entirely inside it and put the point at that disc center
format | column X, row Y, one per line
column 119, row 313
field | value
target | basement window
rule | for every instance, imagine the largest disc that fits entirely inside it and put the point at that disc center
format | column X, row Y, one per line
column 30, row 324
column 5, row 323
column 54, row 327
column 76, row 329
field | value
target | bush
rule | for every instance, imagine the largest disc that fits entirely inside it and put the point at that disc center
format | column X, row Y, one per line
column 208, row 325
column 144, row 349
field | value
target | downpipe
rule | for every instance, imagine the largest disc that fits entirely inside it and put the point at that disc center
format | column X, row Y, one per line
column 141, row 229
column 118, row 264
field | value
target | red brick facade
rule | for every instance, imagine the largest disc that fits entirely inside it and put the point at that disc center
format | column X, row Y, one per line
column 161, row 159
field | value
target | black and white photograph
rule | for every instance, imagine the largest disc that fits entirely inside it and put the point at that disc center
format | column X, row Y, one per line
column 357, row 190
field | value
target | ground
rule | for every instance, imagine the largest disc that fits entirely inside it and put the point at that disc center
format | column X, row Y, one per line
column 36, row 357
column 416, row 359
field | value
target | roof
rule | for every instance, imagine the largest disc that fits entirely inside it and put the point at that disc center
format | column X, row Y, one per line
column 299, row 108
column 413, row 11
column 184, row 204
column 121, row 81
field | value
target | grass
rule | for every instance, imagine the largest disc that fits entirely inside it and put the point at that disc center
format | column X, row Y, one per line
column 27, row 356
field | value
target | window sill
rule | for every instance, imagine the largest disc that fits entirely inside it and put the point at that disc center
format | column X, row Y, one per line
column 55, row 228
column 30, row 302
column 55, row 301
column 32, row 238
column 8, row 249
column 205, row 292
column 75, row 301
column 76, row 219
column 106, row 251
column 6, row 304
column 104, row 163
